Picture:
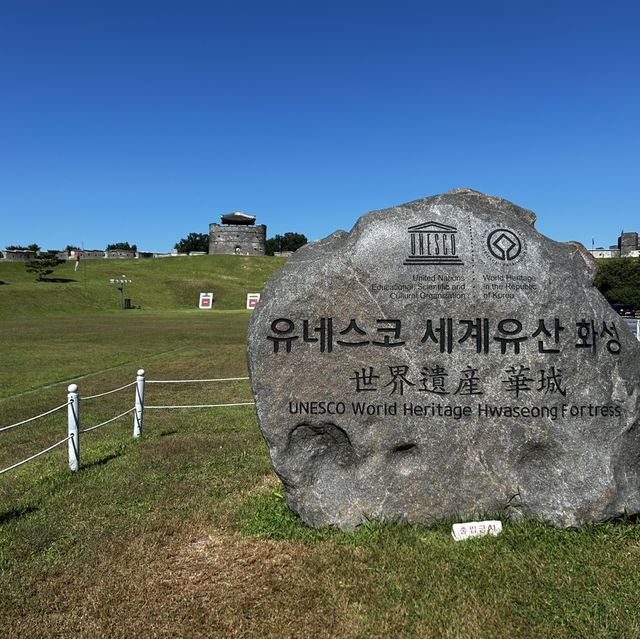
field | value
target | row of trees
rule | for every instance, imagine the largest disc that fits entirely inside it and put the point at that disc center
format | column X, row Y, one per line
column 31, row 247
column 287, row 242
column 618, row 280
column 121, row 246
column 194, row 242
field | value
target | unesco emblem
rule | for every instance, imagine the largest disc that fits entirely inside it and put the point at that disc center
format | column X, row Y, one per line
column 433, row 243
column 504, row 245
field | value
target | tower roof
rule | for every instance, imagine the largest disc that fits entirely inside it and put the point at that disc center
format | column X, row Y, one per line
column 237, row 217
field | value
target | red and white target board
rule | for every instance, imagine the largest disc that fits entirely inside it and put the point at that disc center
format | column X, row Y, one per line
column 252, row 300
column 206, row 300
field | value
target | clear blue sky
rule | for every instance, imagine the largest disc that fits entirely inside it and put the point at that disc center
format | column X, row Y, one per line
column 143, row 121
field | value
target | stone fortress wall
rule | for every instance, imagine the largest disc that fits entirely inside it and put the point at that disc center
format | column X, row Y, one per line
column 237, row 235
column 628, row 246
column 26, row 256
column 19, row 256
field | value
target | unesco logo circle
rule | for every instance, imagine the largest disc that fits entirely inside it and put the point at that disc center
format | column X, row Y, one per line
column 504, row 245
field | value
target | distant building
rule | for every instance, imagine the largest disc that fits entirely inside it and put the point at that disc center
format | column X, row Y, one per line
column 237, row 235
column 628, row 246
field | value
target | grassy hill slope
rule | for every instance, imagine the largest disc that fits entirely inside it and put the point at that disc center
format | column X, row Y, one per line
column 157, row 284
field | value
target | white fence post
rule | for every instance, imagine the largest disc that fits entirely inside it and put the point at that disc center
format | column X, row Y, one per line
column 73, row 426
column 139, row 409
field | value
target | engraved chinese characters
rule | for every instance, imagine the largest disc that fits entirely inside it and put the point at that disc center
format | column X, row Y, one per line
column 444, row 359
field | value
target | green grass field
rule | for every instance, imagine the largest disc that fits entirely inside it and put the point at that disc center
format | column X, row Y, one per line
column 185, row 532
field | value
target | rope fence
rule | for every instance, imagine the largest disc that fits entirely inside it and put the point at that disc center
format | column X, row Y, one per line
column 42, row 452
column 33, row 419
column 113, row 419
column 193, row 381
column 115, row 390
column 73, row 414
column 206, row 405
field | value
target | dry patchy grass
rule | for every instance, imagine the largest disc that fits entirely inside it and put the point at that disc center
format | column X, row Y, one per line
column 186, row 585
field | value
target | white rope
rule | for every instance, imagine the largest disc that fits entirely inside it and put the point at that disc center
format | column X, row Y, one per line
column 192, row 381
column 115, row 390
column 42, row 452
column 86, row 430
column 205, row 405
column 31, row 419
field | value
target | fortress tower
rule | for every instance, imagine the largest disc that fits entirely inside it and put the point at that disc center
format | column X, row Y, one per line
column 237, row 235
column 628, row 245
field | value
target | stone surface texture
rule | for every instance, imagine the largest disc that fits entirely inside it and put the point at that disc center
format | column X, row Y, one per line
column 445, row 360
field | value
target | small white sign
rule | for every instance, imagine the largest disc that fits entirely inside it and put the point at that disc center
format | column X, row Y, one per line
column 206, row 300
column 252, row 300
column 476, row 529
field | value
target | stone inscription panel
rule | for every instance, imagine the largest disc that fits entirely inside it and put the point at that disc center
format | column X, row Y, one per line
column 534, row 390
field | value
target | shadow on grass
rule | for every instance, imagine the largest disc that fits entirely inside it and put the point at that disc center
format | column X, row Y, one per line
column 103, row 460
column 627, row 518
column 57, row 280
column 16, row 513
column 166, row 433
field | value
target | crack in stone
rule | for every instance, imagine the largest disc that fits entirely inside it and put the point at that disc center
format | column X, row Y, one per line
column 367, row 291
column 483, row 464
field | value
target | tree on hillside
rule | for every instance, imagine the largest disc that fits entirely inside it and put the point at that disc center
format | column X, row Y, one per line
column 193, row 242
column 121, row 246
column 618, row 280
column 43, row 264
column 286, row 242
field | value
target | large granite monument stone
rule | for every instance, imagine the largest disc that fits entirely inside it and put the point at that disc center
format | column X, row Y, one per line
column 444, row 360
